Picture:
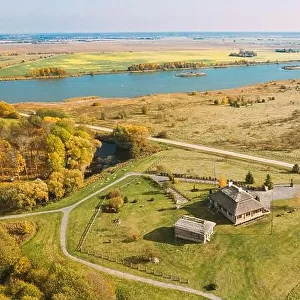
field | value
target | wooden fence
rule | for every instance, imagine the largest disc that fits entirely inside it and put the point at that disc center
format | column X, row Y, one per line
column 138, row 267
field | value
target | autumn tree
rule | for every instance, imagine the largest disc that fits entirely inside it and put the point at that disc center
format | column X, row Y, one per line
column 116, row 203
column 8, row 111
column 222, row 181
column 56, row 154
column 135, row 138
column 64, row 182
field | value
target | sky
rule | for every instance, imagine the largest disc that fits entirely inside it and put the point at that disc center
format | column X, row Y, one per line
column 34, row 16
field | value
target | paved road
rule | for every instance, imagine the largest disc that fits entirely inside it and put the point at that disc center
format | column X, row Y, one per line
column 63, row 243
column 208, row 149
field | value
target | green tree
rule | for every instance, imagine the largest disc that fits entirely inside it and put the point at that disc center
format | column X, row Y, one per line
column 249, row 179
column 268, row 182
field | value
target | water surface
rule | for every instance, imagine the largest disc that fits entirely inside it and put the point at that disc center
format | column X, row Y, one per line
column 132, row 85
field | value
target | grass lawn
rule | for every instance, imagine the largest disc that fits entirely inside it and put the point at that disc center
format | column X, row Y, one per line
column 44, row 250
column 254, row 261
column 106, row 62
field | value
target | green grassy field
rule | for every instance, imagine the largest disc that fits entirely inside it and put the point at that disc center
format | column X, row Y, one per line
column 107, row 62
column 44, row 250
column 254, row 261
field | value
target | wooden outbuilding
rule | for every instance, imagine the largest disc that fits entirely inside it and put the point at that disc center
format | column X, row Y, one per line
column 194, row 229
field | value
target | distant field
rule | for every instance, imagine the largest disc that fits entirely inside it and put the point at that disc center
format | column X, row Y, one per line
column 17, row 61
column 118, row 61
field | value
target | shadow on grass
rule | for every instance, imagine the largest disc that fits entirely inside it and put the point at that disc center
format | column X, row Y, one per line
column 150, row 193
column 165, row 235
column 166, row 209
column 200, row 210
column 136, row 260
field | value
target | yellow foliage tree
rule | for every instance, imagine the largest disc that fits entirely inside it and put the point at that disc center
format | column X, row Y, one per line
column 222, row 181
column 224, row 100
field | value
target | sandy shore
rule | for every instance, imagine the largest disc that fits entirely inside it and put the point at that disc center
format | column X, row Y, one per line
column 133, row 45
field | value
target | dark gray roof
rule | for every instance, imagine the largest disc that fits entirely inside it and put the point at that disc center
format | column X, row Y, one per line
column 195, row 225
column 235, row 200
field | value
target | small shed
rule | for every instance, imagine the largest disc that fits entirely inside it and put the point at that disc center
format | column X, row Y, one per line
column 194, row 229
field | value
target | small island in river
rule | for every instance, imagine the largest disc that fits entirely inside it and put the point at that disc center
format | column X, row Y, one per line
column 190, row 74
column 291, row 67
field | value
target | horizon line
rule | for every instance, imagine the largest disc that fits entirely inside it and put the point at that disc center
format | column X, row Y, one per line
column 160, row 31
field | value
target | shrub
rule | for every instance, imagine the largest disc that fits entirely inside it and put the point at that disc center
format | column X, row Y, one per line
column 216, row 102
column 145, row 110
column 211, row 287
column 135, row 201
column 103, row 116
column 162, row 134
column 296, row 168
column 114, row 194
column 42, row 113
column 116, row 203
column 126, row 199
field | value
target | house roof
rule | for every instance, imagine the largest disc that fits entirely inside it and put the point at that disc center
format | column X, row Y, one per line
column 236, row 200
column 195, row 225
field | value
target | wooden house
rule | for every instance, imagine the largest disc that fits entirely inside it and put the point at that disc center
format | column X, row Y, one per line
column 236, row 204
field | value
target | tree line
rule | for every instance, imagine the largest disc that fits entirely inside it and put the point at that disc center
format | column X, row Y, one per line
column 184, row 65
column 46, row 72
column 166, row 66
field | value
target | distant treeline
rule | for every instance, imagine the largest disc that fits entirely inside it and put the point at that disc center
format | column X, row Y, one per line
column 166, row 66
column 290, row 50
column 184, row 65
column 45, row 72
column 243, row 53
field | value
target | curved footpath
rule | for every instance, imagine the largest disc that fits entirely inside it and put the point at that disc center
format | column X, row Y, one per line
column 63, row 243
column 207, row 149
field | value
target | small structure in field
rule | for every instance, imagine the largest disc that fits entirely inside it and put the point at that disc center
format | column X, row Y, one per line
column 236, row 204
column 194, row 229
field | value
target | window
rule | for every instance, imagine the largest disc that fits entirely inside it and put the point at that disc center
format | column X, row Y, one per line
column 247, row 214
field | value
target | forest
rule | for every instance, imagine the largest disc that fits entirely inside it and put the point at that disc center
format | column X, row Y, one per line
column 42, row 157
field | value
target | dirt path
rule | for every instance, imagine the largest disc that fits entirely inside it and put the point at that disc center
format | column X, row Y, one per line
column 63, row 243
column 209, row 149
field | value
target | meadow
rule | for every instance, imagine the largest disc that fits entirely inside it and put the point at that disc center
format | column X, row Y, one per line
column 267, row 127
column 77, row 63
column 254, row 261
column 44, row 250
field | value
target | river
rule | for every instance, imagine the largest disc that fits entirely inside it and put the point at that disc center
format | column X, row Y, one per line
column 138, row 84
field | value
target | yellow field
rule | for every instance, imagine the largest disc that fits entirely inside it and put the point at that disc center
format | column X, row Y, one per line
column 120, row 61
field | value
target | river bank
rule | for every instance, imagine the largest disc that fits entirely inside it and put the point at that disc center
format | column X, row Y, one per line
column 215, row 66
